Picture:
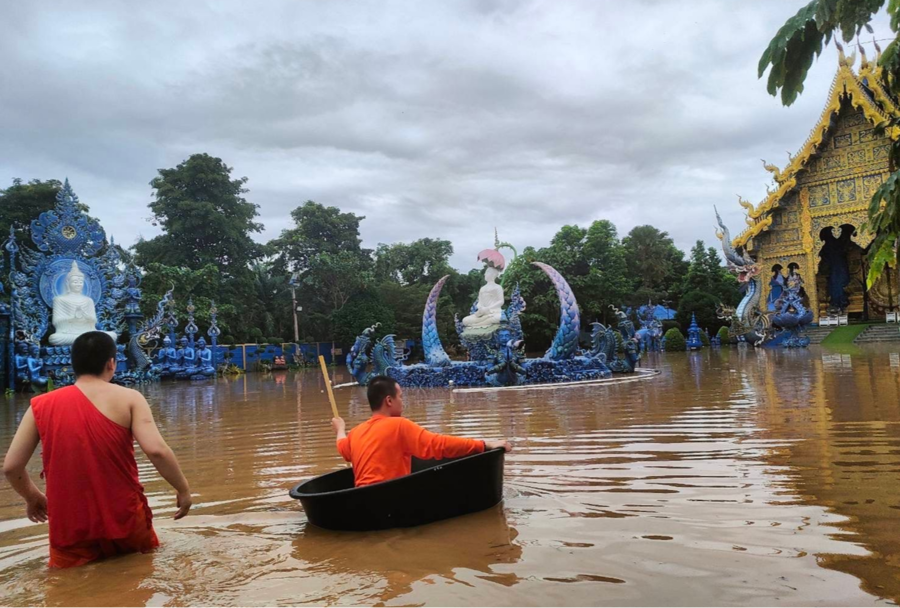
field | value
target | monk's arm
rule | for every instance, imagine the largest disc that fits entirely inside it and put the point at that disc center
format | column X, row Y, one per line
column 20, row 452
column 427, row 445
column 343, row 444
column 158, row 451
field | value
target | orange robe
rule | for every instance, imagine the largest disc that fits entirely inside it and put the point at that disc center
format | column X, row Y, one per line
column 95, row 502
column 381, row 448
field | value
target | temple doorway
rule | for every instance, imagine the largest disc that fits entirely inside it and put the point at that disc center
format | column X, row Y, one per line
column 841, row 276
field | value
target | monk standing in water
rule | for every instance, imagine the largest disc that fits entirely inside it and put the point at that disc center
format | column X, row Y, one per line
column 381, row 447
column 95, row 502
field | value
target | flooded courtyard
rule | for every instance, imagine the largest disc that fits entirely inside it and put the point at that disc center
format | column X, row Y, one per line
column 735, row 477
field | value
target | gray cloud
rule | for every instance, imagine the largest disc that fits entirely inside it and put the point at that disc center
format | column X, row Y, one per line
column 431, row 119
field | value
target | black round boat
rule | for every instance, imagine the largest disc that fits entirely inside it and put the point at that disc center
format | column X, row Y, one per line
column 435, row 490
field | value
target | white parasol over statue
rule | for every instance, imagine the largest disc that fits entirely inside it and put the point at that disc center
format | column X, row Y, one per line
column 73, row 312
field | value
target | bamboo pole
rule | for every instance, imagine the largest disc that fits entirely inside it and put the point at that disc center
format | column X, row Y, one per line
column 328, row 386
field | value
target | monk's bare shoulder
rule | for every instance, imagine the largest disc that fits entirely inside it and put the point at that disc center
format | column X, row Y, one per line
column 128, row 395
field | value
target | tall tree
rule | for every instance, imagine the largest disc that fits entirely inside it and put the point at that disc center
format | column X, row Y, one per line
column 790, row 55
column 317, row 229
column 422, row 261
column 655, row 265
column 204, row 217
column 206, row 221
column 21, row 203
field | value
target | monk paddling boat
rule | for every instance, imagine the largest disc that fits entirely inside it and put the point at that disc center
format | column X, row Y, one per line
column 435, row 490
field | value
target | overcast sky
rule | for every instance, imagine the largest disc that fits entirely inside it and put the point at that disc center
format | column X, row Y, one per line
column 438, row 119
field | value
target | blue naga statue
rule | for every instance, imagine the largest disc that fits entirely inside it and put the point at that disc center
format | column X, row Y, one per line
column 605, row 344
column 492, row 335
column 748, row 322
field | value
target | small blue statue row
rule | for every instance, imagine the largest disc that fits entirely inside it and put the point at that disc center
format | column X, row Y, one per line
column 187, row 358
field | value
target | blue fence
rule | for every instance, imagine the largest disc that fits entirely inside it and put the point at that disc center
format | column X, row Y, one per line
column 248, row 356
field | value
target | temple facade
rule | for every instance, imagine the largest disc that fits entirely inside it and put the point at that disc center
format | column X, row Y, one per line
column 813, row 219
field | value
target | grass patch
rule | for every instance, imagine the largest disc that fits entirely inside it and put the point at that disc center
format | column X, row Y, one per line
column 845, row 334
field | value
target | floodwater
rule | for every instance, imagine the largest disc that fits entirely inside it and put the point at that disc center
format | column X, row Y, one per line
column 735, row 477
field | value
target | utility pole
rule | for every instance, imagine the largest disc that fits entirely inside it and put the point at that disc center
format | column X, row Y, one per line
column 293, row 284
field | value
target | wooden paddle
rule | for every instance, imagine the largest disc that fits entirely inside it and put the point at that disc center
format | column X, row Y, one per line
column 328, row 386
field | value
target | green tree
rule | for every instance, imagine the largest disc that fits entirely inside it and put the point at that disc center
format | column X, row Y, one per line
column 703, row 305
column 206, row 222
column 21, row 203
column 706, row 274
column 362, row 310
column 790, row 54
column 317, row 230
column 422, row 261
column 204, row 217
column 654, row 264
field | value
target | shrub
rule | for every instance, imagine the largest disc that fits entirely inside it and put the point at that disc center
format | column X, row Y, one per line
column 675, row 341
column 277, row 341
column 704, row 338
column 723, row 335
column 255, row 334
column 669, row 324
column 226, row 340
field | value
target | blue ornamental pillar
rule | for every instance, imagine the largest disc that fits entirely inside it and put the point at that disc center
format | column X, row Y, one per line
column 133, row 315
column 191, row 328
column 5, row 372
column 694, row 342
column 10, row 331
column 213, row 333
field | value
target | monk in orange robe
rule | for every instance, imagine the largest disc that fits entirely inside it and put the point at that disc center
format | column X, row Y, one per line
column 95, row 501
column 381, row 448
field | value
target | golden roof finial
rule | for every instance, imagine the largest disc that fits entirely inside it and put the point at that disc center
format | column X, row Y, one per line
column 745, row 204
column 862, row 52
column 775, row 171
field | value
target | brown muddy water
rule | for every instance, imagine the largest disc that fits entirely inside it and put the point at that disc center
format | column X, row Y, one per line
column 733, row 478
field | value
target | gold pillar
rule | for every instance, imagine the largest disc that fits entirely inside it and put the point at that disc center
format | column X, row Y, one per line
column 809, row 240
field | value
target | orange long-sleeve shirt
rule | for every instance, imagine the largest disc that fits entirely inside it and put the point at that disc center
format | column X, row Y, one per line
column 381, row 448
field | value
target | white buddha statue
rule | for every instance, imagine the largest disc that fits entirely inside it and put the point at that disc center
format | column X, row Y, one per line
column 490, row 296
column 73, row 312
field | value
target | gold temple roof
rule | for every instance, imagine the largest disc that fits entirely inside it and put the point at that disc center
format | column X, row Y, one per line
column 863, row 90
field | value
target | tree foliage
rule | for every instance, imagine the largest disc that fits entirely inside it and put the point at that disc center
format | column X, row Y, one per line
column 654, row 264
column 21, row 203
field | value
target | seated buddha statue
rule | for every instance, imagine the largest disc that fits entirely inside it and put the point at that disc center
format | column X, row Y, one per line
column 73, row 312
column 162, row 355
column 189, row 357
column 490, row 303
column 204, row 357
column 176, row 357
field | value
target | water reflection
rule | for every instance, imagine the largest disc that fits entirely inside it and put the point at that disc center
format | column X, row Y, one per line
column 732, row 478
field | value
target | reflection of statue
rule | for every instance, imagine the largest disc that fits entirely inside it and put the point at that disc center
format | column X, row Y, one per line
column 488, row 309
column 204, row 355
column 35, row 366
column 73, row 312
